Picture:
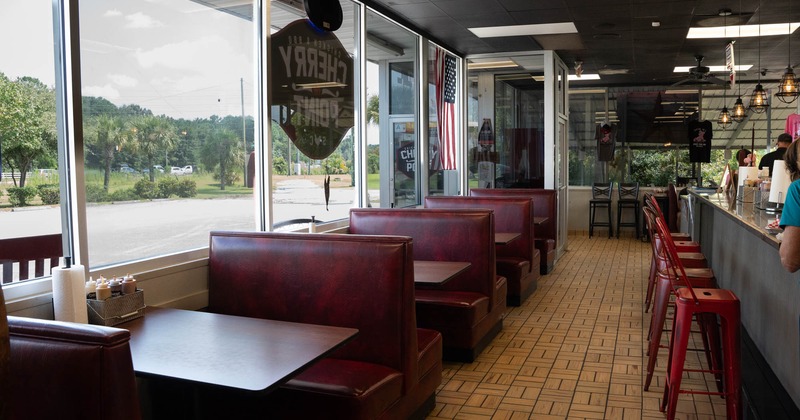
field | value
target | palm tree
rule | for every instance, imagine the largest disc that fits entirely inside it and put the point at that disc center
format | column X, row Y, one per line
column 222, row 153
column 109, row 134
column 154, row 136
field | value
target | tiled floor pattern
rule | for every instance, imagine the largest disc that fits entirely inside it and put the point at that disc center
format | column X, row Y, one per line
column 575, row 349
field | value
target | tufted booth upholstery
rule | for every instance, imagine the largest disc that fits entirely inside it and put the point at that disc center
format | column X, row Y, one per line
column 517, row 261
column 545, row 204
column 468, row 309
column 63, row 370
column 390, row 370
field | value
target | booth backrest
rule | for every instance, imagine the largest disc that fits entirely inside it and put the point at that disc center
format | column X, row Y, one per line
column 64, row 370
column 341, row 280
column 440, row 235
column 511, row 214
column 545, row 204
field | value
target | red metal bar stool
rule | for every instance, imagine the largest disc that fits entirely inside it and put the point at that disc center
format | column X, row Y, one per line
column 689, row 255
column 688, row 303
column 650, row 200
column 698, row 277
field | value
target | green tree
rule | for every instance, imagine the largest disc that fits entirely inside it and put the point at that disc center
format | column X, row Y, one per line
column 27, row 123
column 335, row 164
column 154, row 137
column 373, row 112
column 106, row 136
column 222, row 154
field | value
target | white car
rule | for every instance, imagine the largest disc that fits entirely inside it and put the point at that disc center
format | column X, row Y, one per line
column 187, row 169
column 176, row 171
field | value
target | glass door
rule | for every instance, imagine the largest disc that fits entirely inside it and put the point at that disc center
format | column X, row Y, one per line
column 404, row 163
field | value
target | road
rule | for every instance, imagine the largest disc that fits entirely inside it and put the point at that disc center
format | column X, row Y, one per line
column 128, row 231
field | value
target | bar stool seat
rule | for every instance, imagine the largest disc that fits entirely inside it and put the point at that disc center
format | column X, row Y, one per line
column 601, row 197
column 628, row 198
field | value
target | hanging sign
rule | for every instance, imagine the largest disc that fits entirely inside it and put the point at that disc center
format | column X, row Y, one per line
column 730, row 62
column 312, row 84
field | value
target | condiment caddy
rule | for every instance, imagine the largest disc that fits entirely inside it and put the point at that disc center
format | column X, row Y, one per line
column 114, row 301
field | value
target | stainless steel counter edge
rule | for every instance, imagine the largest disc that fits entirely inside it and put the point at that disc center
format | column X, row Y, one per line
column 744, row 214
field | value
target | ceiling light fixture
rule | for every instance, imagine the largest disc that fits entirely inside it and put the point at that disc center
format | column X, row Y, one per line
column 713, row 69
column 788, row 88
column 759, row 100
column 525, row 30
column 743, row 31
column 492, row 65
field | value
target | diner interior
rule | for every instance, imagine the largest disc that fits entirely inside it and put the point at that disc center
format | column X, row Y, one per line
column 404, row 209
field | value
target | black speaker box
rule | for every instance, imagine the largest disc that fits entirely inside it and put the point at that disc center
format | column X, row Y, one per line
column 324, row 14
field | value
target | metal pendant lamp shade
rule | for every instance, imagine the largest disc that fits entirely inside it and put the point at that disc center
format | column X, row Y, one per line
column 739, row 111
column 788, row 88
column 759, row 100
column 724, row 120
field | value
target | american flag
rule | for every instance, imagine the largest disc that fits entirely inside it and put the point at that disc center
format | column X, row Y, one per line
column 446, row 107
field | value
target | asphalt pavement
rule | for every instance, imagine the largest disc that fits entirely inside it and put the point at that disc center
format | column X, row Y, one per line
column 128, row 231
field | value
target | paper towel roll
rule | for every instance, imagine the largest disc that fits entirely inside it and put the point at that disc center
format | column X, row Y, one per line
column 747, row 172
column 780, row 182
column 69, row 295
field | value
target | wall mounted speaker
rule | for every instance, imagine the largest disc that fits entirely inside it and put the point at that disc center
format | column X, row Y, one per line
column 324, row 14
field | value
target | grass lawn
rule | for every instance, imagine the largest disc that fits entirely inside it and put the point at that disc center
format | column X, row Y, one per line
column 373, row 181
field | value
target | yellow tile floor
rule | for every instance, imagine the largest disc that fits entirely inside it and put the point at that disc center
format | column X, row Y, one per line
column 576, row 348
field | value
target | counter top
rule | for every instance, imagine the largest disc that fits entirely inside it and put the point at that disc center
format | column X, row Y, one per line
column 745, row 214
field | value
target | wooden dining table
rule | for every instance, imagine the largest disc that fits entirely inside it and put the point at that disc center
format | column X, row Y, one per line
column 502, row 238
column 227, row 351
column 540, row 220
column 437, row 272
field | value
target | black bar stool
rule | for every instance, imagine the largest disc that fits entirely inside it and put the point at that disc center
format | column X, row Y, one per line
column 628, row 199
column 601, row 197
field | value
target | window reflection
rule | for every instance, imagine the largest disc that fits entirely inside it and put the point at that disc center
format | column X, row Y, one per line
column 29, row 178
column 168, row 126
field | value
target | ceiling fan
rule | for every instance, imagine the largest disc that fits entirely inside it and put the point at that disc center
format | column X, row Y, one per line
column 699, row 74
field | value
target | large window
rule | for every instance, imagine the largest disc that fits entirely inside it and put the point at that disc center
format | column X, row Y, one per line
column 168, row 125
column 299, row 177
column 29, row 177
column 393, row 135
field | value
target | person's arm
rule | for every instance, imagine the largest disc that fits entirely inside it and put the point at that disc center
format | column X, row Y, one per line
column 790, row 249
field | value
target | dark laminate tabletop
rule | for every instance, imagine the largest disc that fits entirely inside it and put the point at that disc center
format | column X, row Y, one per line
column 437, row 272
column 503, row 238
column 229, row 351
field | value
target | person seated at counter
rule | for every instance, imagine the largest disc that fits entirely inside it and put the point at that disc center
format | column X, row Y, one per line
column 784, row 140
column 743, row 157
column 790, row 218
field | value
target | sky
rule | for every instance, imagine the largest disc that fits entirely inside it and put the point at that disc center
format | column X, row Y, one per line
column 159, row 54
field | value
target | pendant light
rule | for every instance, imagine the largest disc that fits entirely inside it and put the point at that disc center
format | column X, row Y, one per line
column 739, row 111
column 759, row 100
column 788, row 88
column 724, row 120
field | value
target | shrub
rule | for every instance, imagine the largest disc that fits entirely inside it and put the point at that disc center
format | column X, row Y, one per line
column 49, row 193
column 145, row 189
column 186, row 188
column 95, row 194
column 167, row 187
column 127, row 194
column 21, row 196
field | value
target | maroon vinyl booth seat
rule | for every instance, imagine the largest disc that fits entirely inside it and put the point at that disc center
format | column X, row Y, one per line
column 544, row 205
column 64, row 370
column 468, row 309
column 517, row 261
column 390, row 370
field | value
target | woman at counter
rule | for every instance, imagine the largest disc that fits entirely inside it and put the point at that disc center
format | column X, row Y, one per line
column 790, row 219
